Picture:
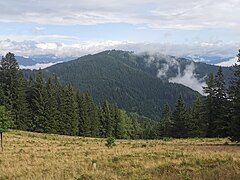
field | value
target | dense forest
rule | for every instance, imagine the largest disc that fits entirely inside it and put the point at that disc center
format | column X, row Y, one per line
column 46, row 105
column 130, row 80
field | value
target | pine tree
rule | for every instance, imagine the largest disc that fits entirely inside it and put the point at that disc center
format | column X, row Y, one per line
column 210, row 108
column 68, row 111
column 221, row 121
column 51, row 107
column 180, row 119
column 9, row 81
column 23, row 119
column 38, row 103
column 235, row 99
column 92, row 113
column 83, row 114
column 119, row 131
column 197, row 122
column 107, row 119
column 166, row 124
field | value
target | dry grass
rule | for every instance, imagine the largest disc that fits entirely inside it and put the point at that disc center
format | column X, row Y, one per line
column 40, row 156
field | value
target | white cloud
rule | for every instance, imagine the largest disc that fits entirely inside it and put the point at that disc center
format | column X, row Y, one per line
column 39, row 66
column 28, row 48
column 184, row 14
column 229, row 63
column 189, row 79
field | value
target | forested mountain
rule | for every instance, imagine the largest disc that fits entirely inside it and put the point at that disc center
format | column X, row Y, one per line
column 45, row 105
column 137, row 83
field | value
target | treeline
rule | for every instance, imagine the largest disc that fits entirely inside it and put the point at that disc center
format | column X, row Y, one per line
column 50, row 107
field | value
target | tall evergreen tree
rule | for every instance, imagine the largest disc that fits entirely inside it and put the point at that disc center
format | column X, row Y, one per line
column 180, row 119
column 197, row 122
column 119, row 131
column 38, row 103
column 51, row 107
column 166, row 124
column 69, row 116
column 9, row 81
column 210, row 108
column 235, row 99
column 107, row 119
column 221, row 121
column 23, row 119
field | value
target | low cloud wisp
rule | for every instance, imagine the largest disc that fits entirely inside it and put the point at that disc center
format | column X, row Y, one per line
column 189, row 79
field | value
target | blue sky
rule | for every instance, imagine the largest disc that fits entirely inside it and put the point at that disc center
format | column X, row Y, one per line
column 63, row 27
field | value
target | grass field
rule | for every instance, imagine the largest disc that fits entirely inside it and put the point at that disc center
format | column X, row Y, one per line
column 40, row 156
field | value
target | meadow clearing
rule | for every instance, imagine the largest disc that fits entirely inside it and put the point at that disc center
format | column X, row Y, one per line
column 45, row 156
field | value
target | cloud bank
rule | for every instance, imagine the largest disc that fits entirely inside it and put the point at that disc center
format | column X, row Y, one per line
column 80, row 48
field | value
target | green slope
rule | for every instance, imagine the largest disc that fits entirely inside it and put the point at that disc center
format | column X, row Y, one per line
column 120, row 78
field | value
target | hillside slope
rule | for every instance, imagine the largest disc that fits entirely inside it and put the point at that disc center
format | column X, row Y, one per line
column 120, row 77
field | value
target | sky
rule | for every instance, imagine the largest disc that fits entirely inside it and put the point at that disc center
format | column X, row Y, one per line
column 79, row 27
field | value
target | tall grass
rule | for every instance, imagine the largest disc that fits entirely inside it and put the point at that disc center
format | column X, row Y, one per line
column 40, row 156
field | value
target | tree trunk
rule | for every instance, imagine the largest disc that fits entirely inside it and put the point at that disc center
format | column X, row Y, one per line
column 1, row 140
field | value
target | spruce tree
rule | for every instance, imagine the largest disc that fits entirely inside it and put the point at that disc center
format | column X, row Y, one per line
column 221, row 121
column 210, row 108
column 119, row 131
column 38, row 103
column 166, row 123
column 107, row 120
column 92, row 113
column 51, row 107
column 9, row 82
column 197, row 122
column 180, row 119
column 235, row 102
column 69, row 116
column 23, row 119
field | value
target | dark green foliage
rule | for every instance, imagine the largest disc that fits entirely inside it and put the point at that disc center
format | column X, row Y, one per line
column 216, row 105
column 166, row 124
column 197, row 121
column 22, row 112
column 9, row 80
column 180, row 120
column 5, row 119
column 210, row 109
column 221, row 121
column 5, row 122
column 235, row 104
column 110, row 142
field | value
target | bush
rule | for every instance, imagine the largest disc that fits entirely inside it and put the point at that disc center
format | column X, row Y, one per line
column 110, row 142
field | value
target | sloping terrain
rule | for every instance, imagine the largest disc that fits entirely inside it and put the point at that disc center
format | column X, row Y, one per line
column 43, row 156
column 120, row 78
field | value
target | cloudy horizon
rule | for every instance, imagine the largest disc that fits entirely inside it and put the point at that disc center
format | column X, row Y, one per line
column 76, row 28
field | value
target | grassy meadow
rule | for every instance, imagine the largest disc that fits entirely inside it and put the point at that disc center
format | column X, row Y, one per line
column 40, row 156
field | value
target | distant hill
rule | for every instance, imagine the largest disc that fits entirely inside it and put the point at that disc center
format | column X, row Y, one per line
column 137, row 83
column 40, row 61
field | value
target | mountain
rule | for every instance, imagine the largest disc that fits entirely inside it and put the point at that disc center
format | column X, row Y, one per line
column 40, row 61
column 209, row 59
column 137, row 83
